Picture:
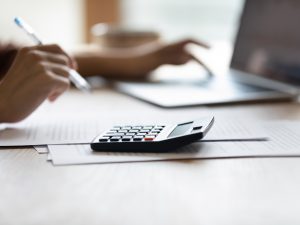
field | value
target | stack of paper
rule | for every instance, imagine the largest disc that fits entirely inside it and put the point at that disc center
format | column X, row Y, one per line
column 66, row 142
column 76, row 131
column 284, row 141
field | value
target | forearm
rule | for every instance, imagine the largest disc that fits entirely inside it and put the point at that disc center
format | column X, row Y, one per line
column 4, row 106
column 4, row 115
column 133, row 63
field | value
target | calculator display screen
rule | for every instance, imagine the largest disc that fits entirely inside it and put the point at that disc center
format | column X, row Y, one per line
column 180, row 129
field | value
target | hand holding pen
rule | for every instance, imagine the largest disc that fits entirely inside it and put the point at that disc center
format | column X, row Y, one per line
column 74, row 76
column 37, row 73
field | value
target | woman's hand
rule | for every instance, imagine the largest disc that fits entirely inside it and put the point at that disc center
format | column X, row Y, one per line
column 172, row 54
column 175, row 53
column 36, row 74
column 134, row 62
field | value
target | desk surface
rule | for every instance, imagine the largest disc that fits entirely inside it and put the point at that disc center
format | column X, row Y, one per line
column 226, row 191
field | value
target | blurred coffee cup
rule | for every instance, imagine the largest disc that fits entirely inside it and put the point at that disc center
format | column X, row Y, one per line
column 113, row 36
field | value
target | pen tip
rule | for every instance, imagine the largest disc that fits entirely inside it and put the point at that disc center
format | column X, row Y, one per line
column 17, row 20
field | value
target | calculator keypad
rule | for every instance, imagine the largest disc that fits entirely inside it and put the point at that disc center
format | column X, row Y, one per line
column 131, row 133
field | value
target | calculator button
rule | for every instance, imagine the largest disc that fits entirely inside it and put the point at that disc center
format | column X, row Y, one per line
column 126, row 138
column 149, row 138
column 141, row 134
column 147, row 127
column 123, row 131
column 144, row 131
column 115, row 138
column 117, row 135
column 130, row 134
column 111, row 132
column 160, row 127
column 137, row 127
column 138, row 138
column 104, row 139
column 153, row 133
column 158, row 131
column 126, row 128
column 134, row 131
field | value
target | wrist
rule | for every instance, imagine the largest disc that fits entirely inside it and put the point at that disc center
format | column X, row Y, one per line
column 3, row 105
column 149, row 62
column 6, row 95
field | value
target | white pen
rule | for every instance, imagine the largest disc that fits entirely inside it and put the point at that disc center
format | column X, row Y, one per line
column 75, row 77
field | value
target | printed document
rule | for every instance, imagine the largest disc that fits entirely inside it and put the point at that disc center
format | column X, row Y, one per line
column 283, row 141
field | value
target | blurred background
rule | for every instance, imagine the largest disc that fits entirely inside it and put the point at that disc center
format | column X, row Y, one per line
column 68, row 22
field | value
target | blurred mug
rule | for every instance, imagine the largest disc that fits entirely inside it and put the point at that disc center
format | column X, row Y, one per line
column 111, row 36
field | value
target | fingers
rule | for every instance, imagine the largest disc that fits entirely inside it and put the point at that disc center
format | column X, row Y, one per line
column 58, row 70
column 176, row 54
column 179, row 58
column 183, row 43
column 60, row 85
column 32, row 78
column 209, row 71
column 49, row 70
column 59, row 79
column 197, row 42
column 56, row 50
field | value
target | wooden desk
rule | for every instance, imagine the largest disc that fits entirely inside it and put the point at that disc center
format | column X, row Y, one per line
column 228, row 191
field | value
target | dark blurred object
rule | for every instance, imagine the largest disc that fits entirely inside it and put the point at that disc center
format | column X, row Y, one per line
column 7, row 55
column 268, row 42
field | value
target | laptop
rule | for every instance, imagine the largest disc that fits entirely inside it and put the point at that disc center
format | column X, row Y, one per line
column 265, row 65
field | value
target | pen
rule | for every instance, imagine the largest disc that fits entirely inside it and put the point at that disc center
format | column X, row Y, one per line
column 75, row 77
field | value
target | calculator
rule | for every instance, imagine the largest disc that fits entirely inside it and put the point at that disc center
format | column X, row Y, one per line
column 152, row 138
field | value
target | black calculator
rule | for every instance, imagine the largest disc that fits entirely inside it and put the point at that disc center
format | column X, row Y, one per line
column 152, row 138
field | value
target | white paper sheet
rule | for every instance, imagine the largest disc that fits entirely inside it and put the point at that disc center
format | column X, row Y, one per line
column 41, row 149
column 62, row 131
column 221, row 131
column 83, row 130
column 236, row 130
column 284, row 141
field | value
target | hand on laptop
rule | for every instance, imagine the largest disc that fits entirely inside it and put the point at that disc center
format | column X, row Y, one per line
column 135, row 62
column 176, row 54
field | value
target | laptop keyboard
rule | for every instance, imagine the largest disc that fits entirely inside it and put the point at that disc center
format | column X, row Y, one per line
column 231, row 86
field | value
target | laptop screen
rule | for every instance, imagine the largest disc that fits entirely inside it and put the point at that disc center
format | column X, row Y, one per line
column 268, row 41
